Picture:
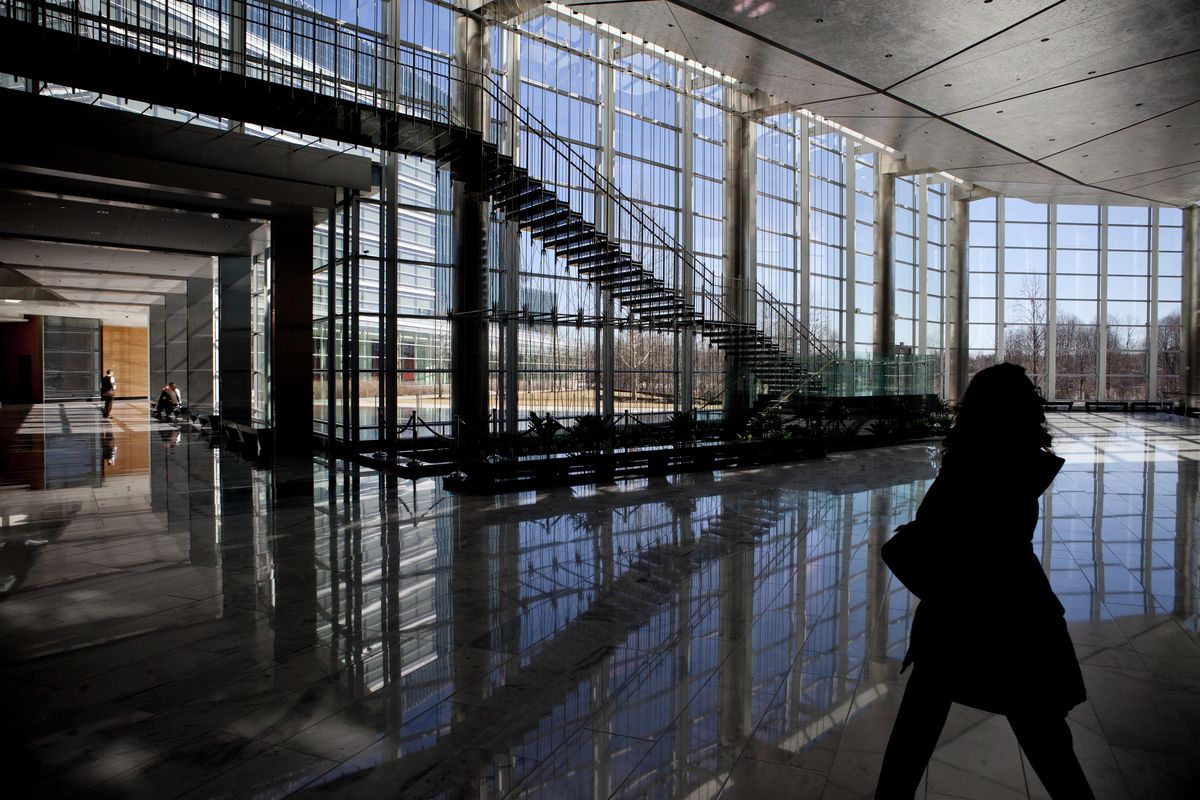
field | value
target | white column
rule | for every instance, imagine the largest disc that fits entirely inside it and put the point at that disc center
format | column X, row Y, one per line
column 1052, row 306
column 999, row 327
column 850, row 271
column 1102, row 311
column 1152, row 320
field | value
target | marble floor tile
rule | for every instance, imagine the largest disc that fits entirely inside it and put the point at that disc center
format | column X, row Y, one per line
column 188, row 623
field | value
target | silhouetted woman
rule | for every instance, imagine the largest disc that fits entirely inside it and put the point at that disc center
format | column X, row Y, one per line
column 990, row 632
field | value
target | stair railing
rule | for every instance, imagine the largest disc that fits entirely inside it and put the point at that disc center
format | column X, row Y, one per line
column 299, row 48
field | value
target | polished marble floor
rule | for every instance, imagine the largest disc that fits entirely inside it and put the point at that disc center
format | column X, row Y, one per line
column 183, row 623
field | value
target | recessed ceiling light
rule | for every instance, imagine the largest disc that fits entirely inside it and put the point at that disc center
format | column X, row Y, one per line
column 8, row 300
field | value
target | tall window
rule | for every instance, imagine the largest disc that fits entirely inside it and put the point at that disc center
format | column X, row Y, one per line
column 981, row 288
column 1169, row 287
column 1127, row 301
column 1026, row 271
column 907, row 270
column 1076, row 300
column 827, row 233
column 1091, row 296
column 864, row 253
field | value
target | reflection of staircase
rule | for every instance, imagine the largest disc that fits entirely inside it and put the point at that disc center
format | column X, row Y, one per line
column 399, row 99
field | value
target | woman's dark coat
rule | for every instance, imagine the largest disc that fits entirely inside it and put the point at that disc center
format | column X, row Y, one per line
column 993, row 631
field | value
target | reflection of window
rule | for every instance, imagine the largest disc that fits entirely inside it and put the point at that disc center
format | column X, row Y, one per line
column 408, row 362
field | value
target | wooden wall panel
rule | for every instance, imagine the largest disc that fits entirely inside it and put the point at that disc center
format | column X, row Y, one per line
column 126, row 351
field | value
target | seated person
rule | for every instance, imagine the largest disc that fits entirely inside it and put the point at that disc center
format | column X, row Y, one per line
column 168, row 400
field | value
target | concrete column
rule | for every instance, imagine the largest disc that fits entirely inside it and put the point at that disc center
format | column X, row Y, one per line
column 157, row 325
column 175, row 342
column 957, row 271
column 234, row 276
column 606, row 213
column 1050, row 382
column 198, row 391
column 510, row 248
column 1191, row 308
column 1101, row 310
column 291, row 335
column 685, row 335
column 740, row 248
column 1152, row 328
column 885, row 268
column 468, row 324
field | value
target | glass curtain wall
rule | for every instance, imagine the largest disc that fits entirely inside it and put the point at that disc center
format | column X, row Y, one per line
column 861, row 303
column 656, row 123
column 1085, row 297
column 828, row 154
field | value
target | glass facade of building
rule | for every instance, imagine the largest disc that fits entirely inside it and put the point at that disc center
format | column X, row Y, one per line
column 1085, row 297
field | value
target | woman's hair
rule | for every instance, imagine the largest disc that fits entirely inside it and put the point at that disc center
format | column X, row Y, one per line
column 1000, row 408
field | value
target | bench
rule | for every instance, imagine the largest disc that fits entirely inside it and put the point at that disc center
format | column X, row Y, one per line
column 1163, row 406
column 1058, row 405
column 254, row 442
column 204, row 418
column 1105, row 405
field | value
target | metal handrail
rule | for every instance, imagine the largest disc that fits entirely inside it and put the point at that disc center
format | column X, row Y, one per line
column 359, row 64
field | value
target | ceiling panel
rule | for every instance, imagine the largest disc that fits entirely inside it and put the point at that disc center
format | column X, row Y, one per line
column 718, row 47
column 26, row 253
column 1083, row 42
column 857, row 38
column 1107, row 69
column 1081, row 112
column 56, row 278
column 129, row 225
column 110, row 314
column 1155, row 144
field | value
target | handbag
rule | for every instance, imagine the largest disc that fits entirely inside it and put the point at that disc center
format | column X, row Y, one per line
column 916, row 554
column 914, row 557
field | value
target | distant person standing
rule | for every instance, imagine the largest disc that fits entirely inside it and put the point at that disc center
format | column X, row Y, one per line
column 108, row 390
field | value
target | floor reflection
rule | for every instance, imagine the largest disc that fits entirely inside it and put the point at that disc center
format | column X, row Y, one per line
column 185, row 623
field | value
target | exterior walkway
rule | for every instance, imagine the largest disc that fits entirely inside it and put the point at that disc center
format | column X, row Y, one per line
column 182, row 623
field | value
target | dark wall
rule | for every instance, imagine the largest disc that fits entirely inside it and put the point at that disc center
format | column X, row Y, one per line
column 291, row 334
column 21, row 343
column 235, row 341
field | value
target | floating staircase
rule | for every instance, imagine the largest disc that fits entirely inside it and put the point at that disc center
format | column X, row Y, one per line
column 404, row 100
